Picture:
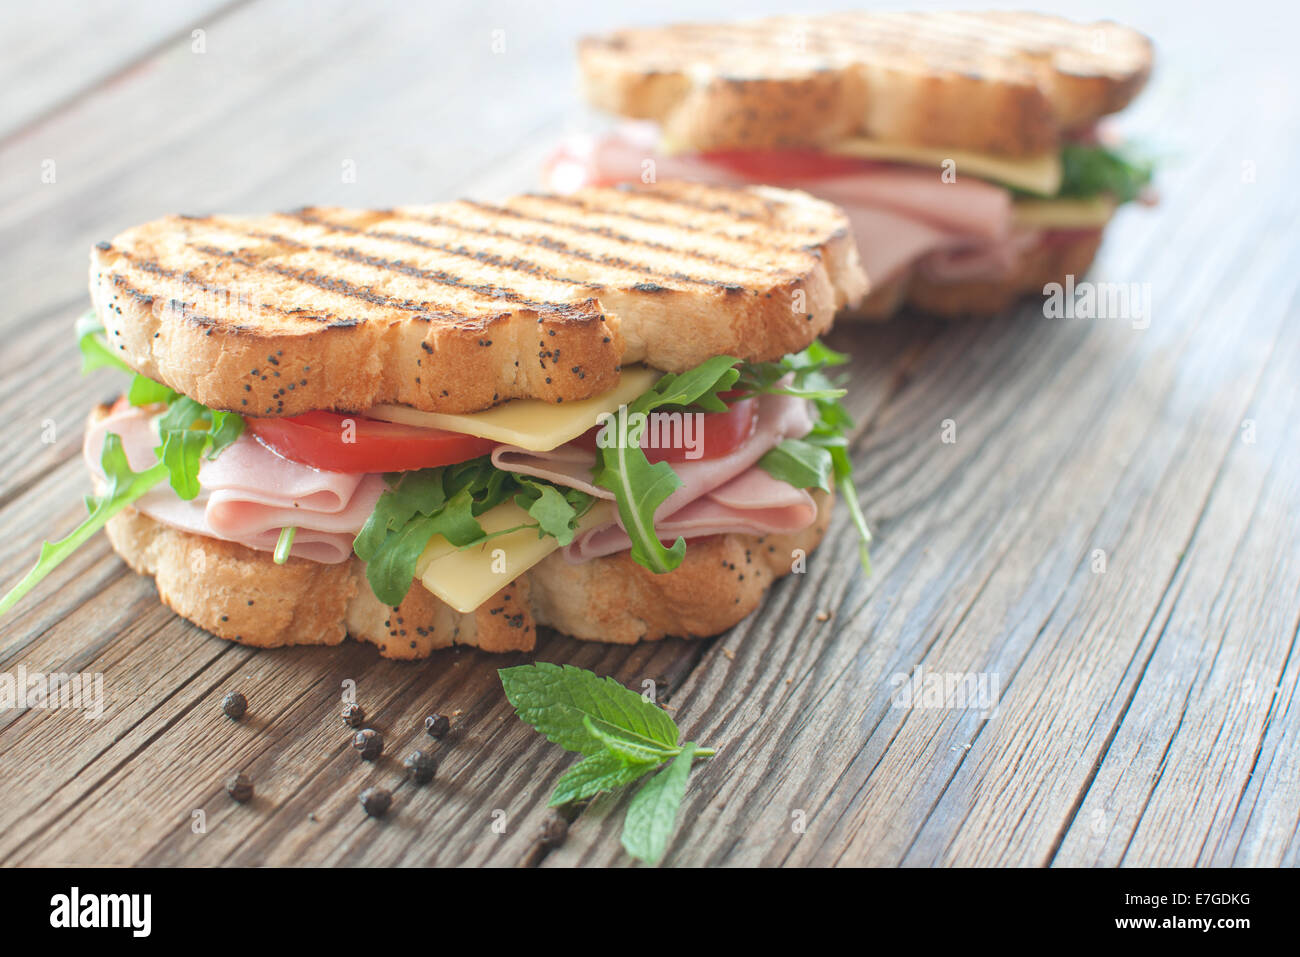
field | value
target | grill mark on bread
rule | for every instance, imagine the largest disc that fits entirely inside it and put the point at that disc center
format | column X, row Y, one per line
column 663, row 221
column 479, row 255
column 605, row 232
column 337, row 285
column 250, row 272
column 563, row 249
column 440, row 277
column 187, row 279
column 577, row 203
column 351, row 254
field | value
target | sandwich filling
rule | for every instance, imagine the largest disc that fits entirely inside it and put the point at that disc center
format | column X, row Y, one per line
column 946, row 215
column 465, row 503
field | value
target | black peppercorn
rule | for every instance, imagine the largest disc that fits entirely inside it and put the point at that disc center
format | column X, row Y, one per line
column 369, row 742
column 354, row 715
column 376, row 801
column 421, row 765
column 437, row 725
column 240, row 787
column 553, row 831
column 234, row 705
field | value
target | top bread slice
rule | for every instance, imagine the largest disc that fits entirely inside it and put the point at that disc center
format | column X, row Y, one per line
column 458, row 306
column 1008, row 83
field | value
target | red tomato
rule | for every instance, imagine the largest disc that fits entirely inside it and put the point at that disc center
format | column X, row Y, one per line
column 718, row 434
column 317, row 439
column 776, row 166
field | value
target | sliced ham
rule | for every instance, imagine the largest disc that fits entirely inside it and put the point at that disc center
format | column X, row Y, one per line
column 248, row 493
column 902, row 216
column 719, row 495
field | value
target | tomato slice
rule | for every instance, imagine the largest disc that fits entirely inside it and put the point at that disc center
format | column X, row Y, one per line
column 671, row 440
column 320, row 439
column 776, row 166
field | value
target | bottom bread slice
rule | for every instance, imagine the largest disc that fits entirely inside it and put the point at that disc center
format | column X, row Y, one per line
column 240, row 594
column 1045, row 263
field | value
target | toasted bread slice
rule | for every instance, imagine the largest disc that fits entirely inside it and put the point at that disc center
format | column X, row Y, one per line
column 1007, row 83
column 242, row 595
column 458, row 306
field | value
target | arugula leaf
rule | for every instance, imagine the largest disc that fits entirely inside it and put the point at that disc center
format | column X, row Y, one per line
column 801, row 464
column 94, row 350
column 391, row 569
column 600, row 772
column 1089, row 170
column 804, row 462
column 558, row 700
column 224, row 429
column 123, row 487
column 639, row 489
column 284, row 544
column 622, row 467
column 189, row 431
column 181, row 452
column 653, row 812
column 447, row 501
column 556, row 512
column 144, row 391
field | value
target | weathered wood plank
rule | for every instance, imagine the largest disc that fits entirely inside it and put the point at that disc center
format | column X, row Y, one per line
column 1123, row 694
column 56, row 50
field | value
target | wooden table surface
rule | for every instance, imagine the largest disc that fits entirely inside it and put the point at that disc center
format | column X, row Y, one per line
column 1110, row 541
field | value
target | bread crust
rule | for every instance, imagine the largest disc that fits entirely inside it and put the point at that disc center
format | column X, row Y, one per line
column 240, row 594
column 1046, row 263
column 1005, row 83
column 459, row 306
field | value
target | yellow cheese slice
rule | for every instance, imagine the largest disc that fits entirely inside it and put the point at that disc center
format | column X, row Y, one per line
column 466, row 577
column 529, row 423
column 1034, row 174
column 1064, row 213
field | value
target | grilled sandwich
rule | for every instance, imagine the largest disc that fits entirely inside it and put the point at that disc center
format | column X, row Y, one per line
column 965, row 147
column 609, row 413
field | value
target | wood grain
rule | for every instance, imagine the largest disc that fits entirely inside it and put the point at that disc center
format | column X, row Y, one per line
column 1146, row 713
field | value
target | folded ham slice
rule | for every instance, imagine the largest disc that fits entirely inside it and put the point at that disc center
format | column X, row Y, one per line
column 903, row 217
column 717, row 496
column 247, row 493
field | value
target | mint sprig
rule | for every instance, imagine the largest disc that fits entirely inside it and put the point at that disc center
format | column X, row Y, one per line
column 623, row 738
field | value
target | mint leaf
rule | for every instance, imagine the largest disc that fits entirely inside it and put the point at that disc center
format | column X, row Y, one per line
column 653, row 812
column 600, row 772
column 124, row 487
column 626, row 748
column 799, row 463
column 556, row 700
